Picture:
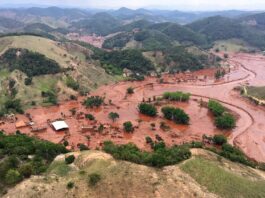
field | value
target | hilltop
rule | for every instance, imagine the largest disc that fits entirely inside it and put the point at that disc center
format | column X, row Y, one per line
column 125, row 179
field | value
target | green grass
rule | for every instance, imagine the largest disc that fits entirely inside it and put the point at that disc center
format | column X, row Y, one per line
column 59, row 168
column 221, row 182
column 258, row 92
column 231, row 45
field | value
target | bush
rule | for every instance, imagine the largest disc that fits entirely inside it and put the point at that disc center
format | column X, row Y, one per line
column 25, row 170
column 177, row 96
column 147, row 109
column 93, row 179
column 128, row 127
column 219, row 139
column 70, row 159
column 130, row 90
column 71, row 83
column 216, row 108
column 175, row 114
column 90, row 117
column 12, row 177
column 28, row 81
column 93, row 101
column 226, row 121
column 83, row 147
column 70, row 185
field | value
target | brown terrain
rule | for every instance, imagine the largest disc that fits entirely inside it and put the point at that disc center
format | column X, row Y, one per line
column 248, row 135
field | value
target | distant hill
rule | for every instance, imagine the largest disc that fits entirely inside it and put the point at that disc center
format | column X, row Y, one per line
column 256, row 20
column 100, row 23
column 221, row 28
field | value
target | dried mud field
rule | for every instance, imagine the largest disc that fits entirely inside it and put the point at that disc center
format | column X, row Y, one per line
column 249, row 134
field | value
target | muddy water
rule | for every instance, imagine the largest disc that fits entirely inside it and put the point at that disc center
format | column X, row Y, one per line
column 249, row 134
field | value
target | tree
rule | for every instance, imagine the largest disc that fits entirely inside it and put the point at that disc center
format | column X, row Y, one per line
column 113, row 116
column 219, row 139
column 93, row 101
column 128, row 127
column 130, row 90
column 216, row 108
column 226, row 121
column 147, row 109
column 175, row 114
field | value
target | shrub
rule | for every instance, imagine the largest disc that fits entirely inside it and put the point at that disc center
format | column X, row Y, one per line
column 216, row 108
column 70, row 159
column 128, row 127
column 93, row 179
column 226, row 121
column 71, row 83
column 148, row 140
column 90, row 117
column 28, row 81
column 12, row 177
column 25, row 170
column 130, row 90
column 219, row 139
column 70, row 185
column 175, row 114
column 83, row 147
column 147, row 109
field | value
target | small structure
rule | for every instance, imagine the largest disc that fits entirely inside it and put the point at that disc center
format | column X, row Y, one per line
column 20, row 124
column 60, row 125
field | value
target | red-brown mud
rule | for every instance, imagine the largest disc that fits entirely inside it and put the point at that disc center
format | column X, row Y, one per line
column 249, row 134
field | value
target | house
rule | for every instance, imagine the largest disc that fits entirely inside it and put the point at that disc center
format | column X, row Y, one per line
column 59, row 125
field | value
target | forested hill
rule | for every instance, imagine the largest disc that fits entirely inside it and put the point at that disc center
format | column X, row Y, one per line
column 221, row 28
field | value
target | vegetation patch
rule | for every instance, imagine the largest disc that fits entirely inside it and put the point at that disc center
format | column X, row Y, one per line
column 147, row 109
column 177, row 96
column 31, row 63
column 161, row 156
column 15, row 163
column 93, row 101
column 176, row 114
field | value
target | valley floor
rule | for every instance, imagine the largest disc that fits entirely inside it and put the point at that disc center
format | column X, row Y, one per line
column 248, row 135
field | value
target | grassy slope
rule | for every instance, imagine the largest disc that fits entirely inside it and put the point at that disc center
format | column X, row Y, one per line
column 87, row 73
column 223, row 182
column 231, row 45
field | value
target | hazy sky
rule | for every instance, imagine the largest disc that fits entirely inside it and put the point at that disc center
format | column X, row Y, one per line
column 159, row 4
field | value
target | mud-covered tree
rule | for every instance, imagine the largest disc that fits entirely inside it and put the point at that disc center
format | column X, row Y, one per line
column 93, row 101
column 113, row 116
column 128, row 127
column 226, row 121
column 130, row 90
column 175, row 114
column 219, row 139
column 147, row 109
column 216, row 108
